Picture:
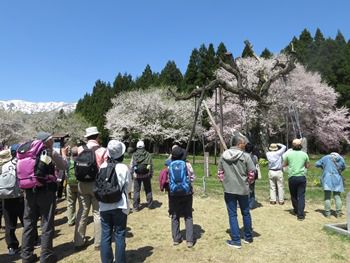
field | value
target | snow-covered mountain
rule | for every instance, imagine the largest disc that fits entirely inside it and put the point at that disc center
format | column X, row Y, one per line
column 35, row 107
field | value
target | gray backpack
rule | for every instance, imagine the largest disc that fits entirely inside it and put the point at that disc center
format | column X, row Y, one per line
column 9, row 187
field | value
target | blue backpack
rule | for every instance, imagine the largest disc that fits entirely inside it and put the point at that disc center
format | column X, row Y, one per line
column 179, row 183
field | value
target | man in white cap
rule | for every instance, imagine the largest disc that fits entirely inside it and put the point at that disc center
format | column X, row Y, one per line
column 114, row 215
column 297, row 162
column 274, row 157
column 86, row 195
column 142, row 166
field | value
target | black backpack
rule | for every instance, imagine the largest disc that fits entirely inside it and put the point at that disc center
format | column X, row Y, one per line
column 85, row 165
column 107, row 189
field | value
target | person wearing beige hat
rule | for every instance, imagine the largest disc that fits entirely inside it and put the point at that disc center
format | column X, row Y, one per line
column 274, row 157
column 297, row 162
column 86, row 195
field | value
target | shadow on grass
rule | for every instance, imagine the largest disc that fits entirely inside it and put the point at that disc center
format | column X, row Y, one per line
column 140, row 254
column 9, row 259
column 197, row 232
column 61, row 221
column 255, row 234
column 66, row 249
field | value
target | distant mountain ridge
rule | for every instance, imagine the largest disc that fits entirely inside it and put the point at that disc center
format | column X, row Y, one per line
column 35, row 107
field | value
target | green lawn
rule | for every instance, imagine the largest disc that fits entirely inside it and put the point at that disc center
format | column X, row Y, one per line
column 314, row 191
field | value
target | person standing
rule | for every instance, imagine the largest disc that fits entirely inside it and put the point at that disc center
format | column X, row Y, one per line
column 86, row 195
column 13, row 204
column 72, row 188
column 181, row 176
column 142, row 166
column 41, row 200
column 297, row 162
column 332, row 181
column 274, row 158
column 114, row 215
column 234, row 169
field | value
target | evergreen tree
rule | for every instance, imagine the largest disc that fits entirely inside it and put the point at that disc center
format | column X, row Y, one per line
column 266, row 54
column 191, row 74
column 247, row 51
column 147, row 79
column 318, row 38
column 123, row 83
column 170, row 75
column 220, row 53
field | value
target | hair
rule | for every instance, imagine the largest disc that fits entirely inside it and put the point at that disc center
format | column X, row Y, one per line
column 297, row 147
column 249, row 147
column 238, row 138
column 119, row 160
column 92, row 137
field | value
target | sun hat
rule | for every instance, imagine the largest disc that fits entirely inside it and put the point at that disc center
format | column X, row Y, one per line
column 91, row 131
column 296, row 142
column 273, row 147
column 5, row 156
column 115, row 149
column 44, row 136
column 140, row 144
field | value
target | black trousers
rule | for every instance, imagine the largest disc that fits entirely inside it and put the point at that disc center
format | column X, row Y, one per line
column 297, row 187
column 13, row 209
column 42, row 202
column 137, row 188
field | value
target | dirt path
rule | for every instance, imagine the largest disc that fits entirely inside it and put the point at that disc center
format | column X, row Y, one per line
column 279, row 237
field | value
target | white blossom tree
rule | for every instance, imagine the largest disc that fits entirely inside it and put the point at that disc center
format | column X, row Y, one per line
column 313, row 99
column 150, row 114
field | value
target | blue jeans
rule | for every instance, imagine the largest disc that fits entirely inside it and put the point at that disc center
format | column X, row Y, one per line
column 113, row 222
column 231, row 204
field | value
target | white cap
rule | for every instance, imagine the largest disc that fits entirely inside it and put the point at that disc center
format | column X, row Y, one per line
column 140, row 144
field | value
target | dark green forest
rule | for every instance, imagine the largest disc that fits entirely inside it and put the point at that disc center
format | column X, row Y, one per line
column 330, row 57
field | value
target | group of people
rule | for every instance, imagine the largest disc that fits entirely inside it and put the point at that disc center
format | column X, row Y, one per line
column 237, row 170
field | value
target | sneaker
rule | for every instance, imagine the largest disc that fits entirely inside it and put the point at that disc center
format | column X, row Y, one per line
column 175, row 243
column 13, row 251
column 272, row 202
column 71, row 224
column 301, row 218
column 281, row 203
column 97, row 248
column 230, row 243
column 189, row 244
column 247, row 241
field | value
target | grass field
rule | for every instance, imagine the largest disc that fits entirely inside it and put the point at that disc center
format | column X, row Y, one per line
column 278, row 236
column 314, row 191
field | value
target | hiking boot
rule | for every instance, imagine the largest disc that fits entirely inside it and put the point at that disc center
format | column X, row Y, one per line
column 230, row 243
column 150, row 205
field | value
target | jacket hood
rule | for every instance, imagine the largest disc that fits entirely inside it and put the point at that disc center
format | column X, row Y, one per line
column 141, row 156
column 232, row 154
column 336, row 156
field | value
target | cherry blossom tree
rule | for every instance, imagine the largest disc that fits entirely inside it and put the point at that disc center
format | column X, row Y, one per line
column 304, row 91
column 150, row 114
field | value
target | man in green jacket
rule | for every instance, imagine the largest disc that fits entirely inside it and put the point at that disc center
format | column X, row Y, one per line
column 235, row 168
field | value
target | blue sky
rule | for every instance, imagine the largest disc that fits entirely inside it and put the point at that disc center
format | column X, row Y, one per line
column 56, row 50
